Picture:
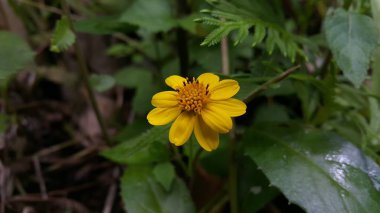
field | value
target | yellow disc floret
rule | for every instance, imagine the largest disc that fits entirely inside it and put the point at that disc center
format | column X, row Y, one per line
column 193, row 96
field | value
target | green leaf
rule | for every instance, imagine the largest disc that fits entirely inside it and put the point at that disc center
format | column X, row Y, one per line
column 254, row 190
column 15, row 54
column 151, row 146
column 102, row 82
column 120, row 50
column 259, row 35
column 152, row 15
column 217, row 35
column 63, row 37
column 352, row 38
column 317, row 170
column 164, row 174
column 132, row 130
column 247, row 85
column 102, row 25
column 145, row 88
column 141, row 193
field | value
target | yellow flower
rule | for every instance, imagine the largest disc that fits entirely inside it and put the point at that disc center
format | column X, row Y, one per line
column 203, row 105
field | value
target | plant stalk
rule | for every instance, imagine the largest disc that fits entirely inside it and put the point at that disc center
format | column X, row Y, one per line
column 266, row 85
column 85, row 77
column 233, row 165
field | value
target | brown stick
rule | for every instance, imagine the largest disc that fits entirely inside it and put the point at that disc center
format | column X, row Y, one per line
column 40, row 177
column 266, row 85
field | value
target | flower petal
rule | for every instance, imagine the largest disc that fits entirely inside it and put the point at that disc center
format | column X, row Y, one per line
column 206, row 137
column 208, row 78
column 182, row 128
column 175, row 81
column 233, row 107
column 165, row 99
column 217, row 119
column 224, row 89
column 162, row 116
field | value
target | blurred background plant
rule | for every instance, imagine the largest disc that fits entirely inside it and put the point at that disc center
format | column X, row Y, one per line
column 76, row 79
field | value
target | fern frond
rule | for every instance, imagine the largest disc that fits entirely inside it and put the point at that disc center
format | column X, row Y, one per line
column 228, row 17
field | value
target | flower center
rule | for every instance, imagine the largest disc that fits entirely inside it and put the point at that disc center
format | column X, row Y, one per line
column 193, row 96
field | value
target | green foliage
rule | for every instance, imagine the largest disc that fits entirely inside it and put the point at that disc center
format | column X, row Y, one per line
column 308, row 135
column 141, row 193
column 15, row 54
column 145, row 89
column 228, row 17
column 102, row 25
column 63, row 37
column 102, row 82
column 333, row 171
column 352, row 38
column 255, row 190
column 152, row 15
column 164, row 173
column 143, row 149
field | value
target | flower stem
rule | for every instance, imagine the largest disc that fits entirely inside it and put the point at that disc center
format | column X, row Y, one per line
column 191, row 158
column 85, row 77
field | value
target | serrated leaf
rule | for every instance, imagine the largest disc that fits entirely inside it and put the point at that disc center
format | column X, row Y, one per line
column 164, row 173
column 63, row 37
column 101, row 82
column 210, row 21
column 317, row 170
column 142, row 193
column 152, row 15
column 15, row 54
column 150, row 146
column 352, row 38
column 217, row 35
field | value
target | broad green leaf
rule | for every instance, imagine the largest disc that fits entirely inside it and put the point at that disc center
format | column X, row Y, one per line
column 148, row 147
column 317, row 170
column 152, row 15
column 141, row 193
column 63, row 37
column 15, row 54
column 102, row 82
column 164, row 173
column 254, row 190
column 272, row 113
column 352, row 38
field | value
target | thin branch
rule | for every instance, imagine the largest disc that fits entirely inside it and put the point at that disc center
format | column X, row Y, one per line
column 266, row 85
column 225, row 59
column 111, row 193
column 40, row 177
column 85, row 77
column 4, row 16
